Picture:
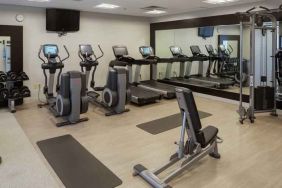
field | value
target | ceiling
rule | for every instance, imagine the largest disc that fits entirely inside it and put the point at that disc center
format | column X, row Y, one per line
column 127, row 7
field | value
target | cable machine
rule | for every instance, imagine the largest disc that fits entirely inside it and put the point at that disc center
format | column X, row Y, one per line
column 262, row 71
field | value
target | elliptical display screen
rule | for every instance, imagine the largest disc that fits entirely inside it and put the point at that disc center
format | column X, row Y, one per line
column 50, row 50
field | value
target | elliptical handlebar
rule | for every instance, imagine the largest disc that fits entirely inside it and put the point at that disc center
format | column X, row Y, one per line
column 267, row 9
column 102, row 53
column 68, row 54
column 249, row 11
column 39, row 54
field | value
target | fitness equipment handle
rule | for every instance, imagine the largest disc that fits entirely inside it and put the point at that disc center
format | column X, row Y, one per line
column 39, row 54
column 102, row 53
column 79, row 55
column 68, row 54
column 248, row 11
column 267, row 9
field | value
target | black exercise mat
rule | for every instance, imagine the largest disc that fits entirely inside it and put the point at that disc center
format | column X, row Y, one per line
column 75, row 166
column 165, row 124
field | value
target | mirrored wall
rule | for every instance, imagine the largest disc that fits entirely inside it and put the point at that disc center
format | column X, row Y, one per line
column 225, row 37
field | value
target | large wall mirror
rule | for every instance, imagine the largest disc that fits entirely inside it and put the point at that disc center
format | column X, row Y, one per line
column 11, row 48
column 225, row 39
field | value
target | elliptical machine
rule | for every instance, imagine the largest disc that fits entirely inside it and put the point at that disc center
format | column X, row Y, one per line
column 71, row 100
column 116, row 93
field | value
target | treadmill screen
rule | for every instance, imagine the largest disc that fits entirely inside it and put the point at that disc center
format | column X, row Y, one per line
column 195, row 50
column 50, row 50
column 146, row 51
column 176, row 50
column 120, row 51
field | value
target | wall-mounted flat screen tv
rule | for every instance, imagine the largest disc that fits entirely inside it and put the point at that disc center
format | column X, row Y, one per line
column 62, row 20
column 205, row 32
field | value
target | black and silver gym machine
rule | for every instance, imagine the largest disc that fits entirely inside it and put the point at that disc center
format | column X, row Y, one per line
column 201, row 142
column 224, row 65
column 71, row 99
column 198, row 56
column 262, row 70
column 179, row 56
column 116, row 93
column 139, row 95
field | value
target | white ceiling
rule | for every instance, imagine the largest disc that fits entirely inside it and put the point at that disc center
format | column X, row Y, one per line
column 127, row 7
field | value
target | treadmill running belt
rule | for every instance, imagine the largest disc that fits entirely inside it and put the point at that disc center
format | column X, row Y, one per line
column 191, row 82
column 75, row 166
column 143, row 96
column 165, row 124
column 168, row 89
column 221, row 81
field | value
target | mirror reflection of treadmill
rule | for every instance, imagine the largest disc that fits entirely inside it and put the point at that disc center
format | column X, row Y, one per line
column 179, row 57
column 139, row 96
column 220, row 83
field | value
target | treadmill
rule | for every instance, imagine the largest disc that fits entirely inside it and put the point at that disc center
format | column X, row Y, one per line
column 178, row 56
column 139, row 96
column 220, row 83
column 168, row 91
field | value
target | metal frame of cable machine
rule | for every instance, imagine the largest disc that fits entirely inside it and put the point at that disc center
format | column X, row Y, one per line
column 256, row 20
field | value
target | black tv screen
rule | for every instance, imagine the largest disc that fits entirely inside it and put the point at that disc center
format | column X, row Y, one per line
column 205, row 32
column 62, row 20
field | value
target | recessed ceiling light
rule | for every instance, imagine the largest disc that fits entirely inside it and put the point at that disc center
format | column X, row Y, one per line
column 39, row 1
column 219, row 1
column 107, row 6
column 156, row 12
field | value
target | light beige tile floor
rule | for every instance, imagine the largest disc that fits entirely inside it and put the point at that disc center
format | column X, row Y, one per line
column 251, row 154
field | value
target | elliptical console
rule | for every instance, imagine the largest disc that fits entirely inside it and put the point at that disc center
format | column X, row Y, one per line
column 71, row 100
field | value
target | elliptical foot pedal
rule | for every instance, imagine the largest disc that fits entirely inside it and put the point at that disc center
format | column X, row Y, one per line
column 215, row 155
column 93, row 95
column 61, row 124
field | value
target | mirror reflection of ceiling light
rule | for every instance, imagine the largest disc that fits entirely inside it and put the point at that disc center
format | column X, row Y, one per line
column 107, row 6
column 219, row 1
column 156, row 12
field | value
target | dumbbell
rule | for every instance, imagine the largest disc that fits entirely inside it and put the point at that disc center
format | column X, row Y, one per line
column 23, row 76
column 25, row 92
column 2, row 86
column 3, row 76
column 15, row 93
column 4, row 94
column 12, row 75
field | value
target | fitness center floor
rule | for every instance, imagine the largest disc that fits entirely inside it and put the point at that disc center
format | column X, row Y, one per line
column 251, row 154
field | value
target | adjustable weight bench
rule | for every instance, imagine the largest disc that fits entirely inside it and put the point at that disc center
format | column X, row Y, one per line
column 201, row 142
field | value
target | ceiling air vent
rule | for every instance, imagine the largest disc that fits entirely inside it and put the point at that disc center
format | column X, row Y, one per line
column 154, row 8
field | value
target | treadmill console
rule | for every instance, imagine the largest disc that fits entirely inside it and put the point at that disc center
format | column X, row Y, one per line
column 120, row 51
column 86, row 50
column 195, row 50
column 50, row 51
column 210, row 50
column 176, row 50
column 146, row 51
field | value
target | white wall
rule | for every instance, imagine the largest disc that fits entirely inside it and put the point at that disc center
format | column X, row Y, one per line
column 104, row 29
column 216, row 11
